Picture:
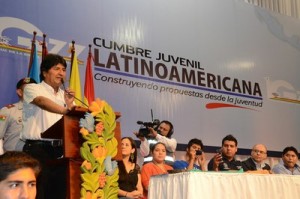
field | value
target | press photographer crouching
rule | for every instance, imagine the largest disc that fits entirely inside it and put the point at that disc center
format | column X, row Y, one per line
column 151, row 133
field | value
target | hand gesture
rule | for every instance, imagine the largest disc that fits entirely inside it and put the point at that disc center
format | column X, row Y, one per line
column 135, row 194
column 69, row 97
column 201, row 161
column 142, row 138
column 153, row 133
column 217, row 160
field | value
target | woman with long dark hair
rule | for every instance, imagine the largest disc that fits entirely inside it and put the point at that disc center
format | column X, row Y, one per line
column 130, row 185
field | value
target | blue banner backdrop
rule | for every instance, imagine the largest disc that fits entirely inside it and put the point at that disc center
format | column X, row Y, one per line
column 211, row 67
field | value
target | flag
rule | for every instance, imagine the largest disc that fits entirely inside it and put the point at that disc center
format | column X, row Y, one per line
column 34, row 71
column 89, row 94
column 75, row 80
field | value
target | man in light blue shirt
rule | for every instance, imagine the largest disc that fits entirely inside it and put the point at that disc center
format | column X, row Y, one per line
column 288, row 164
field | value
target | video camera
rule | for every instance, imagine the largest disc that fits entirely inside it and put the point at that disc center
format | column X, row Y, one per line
column 144, row 131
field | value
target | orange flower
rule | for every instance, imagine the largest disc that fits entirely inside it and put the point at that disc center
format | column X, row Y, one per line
column 87, row 165
column 99, row 128
column 97, row 106
column 88, row 195
column 99, row 152
column 102, row 180
column 84, row 131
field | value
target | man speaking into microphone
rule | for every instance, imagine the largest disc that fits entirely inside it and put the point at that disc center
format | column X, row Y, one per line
column 44, row 104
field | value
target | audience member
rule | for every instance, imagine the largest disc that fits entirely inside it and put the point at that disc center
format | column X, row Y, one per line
column 255, row 163
column 156, row 167
column 225, row 158
column 18, row 173
column 11, row 120
column 44, row 104
column 162, row 134
column 288, row 163
column 130, row 185
column 194, row 157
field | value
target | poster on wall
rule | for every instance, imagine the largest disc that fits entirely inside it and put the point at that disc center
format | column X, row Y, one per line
column 212, row 68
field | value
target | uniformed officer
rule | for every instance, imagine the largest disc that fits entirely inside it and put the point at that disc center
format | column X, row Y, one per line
column 11, row 120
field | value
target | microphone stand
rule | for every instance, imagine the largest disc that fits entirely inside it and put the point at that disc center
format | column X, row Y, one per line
column 64, row 88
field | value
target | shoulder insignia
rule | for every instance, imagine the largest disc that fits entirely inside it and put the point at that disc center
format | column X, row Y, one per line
column 9, row 105
column 2, row 117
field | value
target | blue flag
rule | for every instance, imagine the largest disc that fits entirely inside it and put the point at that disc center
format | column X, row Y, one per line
column 35, row 70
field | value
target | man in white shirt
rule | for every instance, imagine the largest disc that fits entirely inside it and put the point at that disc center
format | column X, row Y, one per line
column 44, row 104
column 162, row 134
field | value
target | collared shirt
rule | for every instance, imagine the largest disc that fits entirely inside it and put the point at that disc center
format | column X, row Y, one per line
column 11, row 126
column 280, row 168
column 259, row 166
column 35, row 119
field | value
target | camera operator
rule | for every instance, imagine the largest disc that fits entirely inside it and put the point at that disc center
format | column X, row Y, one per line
column 162, row 134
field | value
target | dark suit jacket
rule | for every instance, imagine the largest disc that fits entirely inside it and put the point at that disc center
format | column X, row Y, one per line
column 250, row 165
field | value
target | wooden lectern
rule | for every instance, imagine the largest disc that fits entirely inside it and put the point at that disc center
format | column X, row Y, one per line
column 67, row 128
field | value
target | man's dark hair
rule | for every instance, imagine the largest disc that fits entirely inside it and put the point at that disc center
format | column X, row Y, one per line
column 12, row 161
column 195, row 141
column 49, row 61
column 230, row 138
column 171, row 131
column 290, row 148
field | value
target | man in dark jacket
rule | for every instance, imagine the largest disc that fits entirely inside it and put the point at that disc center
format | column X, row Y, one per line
column 256, row 161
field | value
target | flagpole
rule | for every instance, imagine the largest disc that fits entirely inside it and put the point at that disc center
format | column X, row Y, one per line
column 89, row 93
column 31, row 52
column 72, row 55
column 44, row 47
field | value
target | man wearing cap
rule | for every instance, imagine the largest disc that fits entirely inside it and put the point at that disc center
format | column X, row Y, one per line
column 11, row 120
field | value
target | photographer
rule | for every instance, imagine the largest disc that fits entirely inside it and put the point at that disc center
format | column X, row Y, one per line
column 162, row 134
column 225, row 160
column 194, row 157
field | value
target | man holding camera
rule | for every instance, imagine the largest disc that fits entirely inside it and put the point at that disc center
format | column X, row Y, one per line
column 194, row 157
column 225, row 160
column 162, row 134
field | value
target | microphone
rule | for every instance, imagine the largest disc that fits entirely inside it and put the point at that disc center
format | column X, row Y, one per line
column 63, row 84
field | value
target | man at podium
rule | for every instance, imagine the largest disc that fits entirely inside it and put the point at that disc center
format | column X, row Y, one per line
column 44, row 104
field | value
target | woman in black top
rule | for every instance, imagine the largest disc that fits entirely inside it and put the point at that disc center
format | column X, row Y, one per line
column 130, row 185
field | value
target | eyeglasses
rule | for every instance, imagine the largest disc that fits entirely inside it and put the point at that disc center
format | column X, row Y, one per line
column 258, row 151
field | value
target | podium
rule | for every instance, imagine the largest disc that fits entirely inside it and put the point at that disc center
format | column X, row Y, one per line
column 67, row 128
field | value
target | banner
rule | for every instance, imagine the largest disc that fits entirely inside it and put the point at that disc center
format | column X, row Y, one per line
column 212, row 68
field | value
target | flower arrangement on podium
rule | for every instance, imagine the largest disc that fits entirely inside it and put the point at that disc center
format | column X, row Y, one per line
column 99, row 173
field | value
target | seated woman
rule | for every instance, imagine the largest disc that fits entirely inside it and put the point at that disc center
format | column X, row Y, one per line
column 130, row 185
column 156, row 167
column 194, row 157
